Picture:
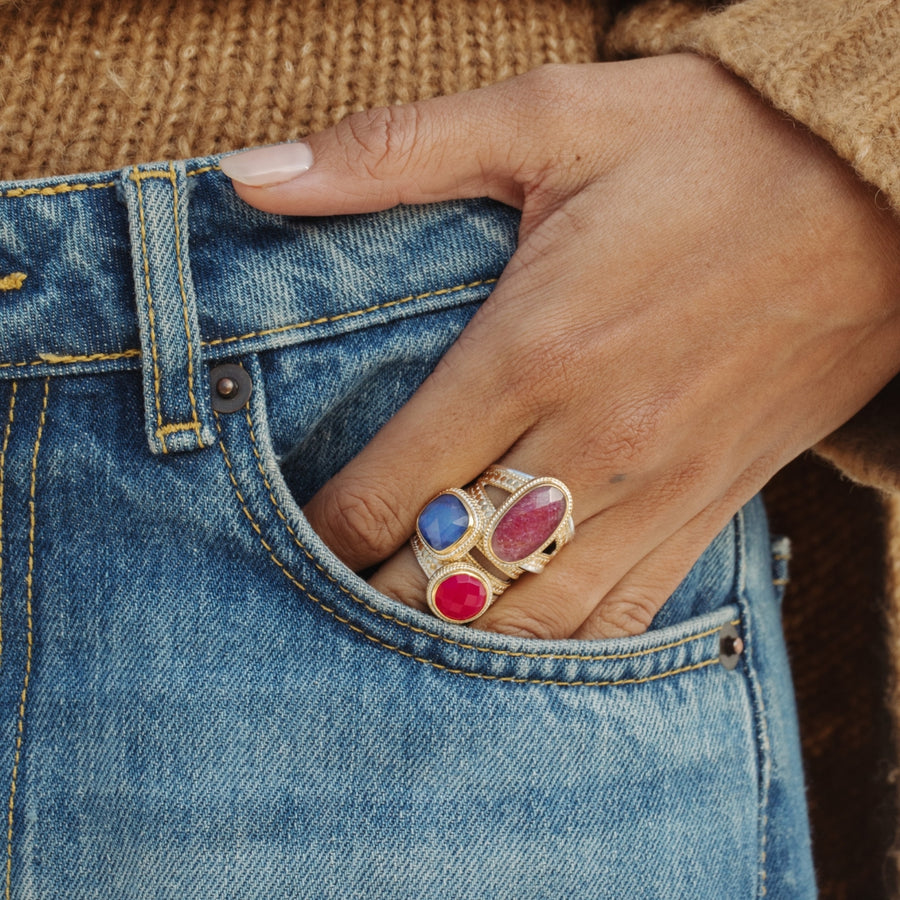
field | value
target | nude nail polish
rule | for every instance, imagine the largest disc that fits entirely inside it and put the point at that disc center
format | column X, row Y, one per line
column 263, row 166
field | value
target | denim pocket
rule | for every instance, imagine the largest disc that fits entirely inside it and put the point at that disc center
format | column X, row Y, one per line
column 685, row 641
column 605, row 765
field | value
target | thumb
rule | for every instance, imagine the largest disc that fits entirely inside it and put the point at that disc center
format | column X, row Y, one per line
column 456, row 147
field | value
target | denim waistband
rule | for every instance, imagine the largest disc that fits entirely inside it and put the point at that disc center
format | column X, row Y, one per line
column 161, row 267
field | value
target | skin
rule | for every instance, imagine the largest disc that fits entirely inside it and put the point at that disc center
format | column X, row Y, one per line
column 702, row 291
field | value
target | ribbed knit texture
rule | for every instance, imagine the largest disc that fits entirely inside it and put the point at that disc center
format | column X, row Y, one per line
column 96, row 85
column 102, row 84
column 830, row 64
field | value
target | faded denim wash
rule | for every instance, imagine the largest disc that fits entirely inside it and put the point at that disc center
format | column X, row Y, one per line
column 198, row 701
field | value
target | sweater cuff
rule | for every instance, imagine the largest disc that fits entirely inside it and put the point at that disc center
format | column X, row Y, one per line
column 831, row 64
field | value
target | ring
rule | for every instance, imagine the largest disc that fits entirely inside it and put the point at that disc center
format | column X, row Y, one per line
column 472, row 550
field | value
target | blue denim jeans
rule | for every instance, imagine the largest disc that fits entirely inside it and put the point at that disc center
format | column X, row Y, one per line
column 198, row 700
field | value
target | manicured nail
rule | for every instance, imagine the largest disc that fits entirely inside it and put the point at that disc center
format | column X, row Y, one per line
column 268, row 165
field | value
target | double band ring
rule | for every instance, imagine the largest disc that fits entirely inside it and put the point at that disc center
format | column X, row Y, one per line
column 472, row 550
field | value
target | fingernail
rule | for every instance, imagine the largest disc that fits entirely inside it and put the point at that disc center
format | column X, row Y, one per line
column 268, row 165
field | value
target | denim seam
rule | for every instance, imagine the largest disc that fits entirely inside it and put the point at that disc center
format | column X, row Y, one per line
column 9, row 423
column 29, row 652
column 53, row 359
column 59, row 359
column 136, row 176
column 68, row 188
column 392, row 619
column 764, row 751
column 53, row 190
column 325, row 320
column 184, row 306
column 509, row 679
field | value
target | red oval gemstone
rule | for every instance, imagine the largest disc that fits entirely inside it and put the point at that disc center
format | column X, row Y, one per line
column 460, row 596
column 528, row 523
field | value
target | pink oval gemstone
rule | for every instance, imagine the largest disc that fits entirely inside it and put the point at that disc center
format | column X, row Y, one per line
column 528, row 523
column 460, row 596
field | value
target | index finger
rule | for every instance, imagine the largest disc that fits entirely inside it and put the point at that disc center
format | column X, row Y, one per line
column 456, row 424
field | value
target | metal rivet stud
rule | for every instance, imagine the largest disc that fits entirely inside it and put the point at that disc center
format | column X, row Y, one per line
column 230, row 386
column 226, row 387
column 731, row 646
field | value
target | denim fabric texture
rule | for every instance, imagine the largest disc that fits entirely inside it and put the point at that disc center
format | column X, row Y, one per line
column 199, row 701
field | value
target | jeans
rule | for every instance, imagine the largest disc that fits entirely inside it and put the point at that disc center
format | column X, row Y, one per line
column 198, row 700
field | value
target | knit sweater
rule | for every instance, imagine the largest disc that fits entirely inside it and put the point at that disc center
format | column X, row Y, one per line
column 99, row 84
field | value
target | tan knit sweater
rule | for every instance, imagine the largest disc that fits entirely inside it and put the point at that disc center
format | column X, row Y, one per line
column 98, row 84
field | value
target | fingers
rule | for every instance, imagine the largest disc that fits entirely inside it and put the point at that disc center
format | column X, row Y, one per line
column 625, row 562
column 597, row 587
column 491, row 142
column 419, row 153
column 630, row 606
column 445, row 435
column 402, row 578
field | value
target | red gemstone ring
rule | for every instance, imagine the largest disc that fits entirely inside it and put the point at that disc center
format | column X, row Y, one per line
column 472, row 549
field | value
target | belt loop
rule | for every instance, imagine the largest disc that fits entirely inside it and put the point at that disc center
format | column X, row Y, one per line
column 177, row 410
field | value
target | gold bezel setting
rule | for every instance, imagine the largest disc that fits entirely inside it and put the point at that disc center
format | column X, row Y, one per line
column 469, row 537
column 519, row 484
column 460, row 568
column 483, row 520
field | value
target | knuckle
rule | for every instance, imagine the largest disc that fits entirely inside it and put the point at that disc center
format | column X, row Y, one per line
column 554, row 98
column 540, row 372
column 407, row 588
column 522, row 624
column 629, row 437
column 381, row 140
column 361, row 525
column 555, row 88
column 627, row 612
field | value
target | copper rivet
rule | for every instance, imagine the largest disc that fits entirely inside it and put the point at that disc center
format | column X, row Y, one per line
column 226, row 387
column 731, row 646
column 230, row 387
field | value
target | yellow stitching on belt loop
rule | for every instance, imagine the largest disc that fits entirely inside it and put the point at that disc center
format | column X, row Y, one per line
column 149, row 174
column 9, row 423
column 140, row 194
column 29, row 597
column 184, row 303
column 349, row 315
column 53, row 190
column 178, row 426
column 13, row 281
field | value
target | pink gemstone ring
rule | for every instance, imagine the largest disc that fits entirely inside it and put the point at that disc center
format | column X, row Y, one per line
column 472, row 549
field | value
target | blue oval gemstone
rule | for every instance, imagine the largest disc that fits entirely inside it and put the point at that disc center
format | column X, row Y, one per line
column 443, row 521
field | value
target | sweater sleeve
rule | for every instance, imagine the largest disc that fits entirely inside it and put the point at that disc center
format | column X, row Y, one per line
column 833, row 65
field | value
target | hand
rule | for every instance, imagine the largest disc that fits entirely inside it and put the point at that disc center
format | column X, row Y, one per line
column 701, row 292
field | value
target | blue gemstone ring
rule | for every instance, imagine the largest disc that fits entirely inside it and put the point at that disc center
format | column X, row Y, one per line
column 450, row 524
column 473, row 550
